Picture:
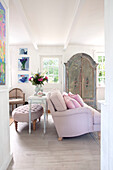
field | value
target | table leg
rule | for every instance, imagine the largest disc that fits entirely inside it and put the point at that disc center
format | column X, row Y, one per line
column 44, row 119
column 47, row 110
column 29, row 117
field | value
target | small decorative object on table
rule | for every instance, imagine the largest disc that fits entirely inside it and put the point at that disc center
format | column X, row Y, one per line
column 40, row 94
column 38, row 80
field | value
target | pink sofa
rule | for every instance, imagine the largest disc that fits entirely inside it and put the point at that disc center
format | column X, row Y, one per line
column 72, row 122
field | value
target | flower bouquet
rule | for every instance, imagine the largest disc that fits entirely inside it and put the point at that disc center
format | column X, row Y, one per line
column 38, row 80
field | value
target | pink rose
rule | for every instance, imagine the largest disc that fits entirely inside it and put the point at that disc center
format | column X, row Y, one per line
column 30, row 78
column 46, row 77
column 41, row 79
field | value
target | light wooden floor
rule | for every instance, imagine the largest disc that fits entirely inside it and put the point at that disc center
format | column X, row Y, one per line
column 37, row 151
column 10, row 121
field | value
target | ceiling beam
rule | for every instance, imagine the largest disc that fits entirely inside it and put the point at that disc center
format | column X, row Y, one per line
column 25, row 21
column 78, row 7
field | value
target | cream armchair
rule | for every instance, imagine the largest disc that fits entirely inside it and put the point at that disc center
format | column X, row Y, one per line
column 72, row 122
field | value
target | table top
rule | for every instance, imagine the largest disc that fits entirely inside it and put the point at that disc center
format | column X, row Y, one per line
column 33, row 97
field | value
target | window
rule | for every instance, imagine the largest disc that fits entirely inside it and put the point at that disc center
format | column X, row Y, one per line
column 101, row 70
column 51, row 67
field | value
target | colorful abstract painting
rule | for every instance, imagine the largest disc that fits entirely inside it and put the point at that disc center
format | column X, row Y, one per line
column 23, row 64
column 2, row 44
column 23, row 78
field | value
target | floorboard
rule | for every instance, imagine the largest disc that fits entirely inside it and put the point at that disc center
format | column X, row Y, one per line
column 11, row 120
column 37, row 151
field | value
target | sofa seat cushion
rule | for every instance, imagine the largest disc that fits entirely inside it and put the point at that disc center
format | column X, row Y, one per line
column 71, row 103
column 58, row 101
column 21, row 113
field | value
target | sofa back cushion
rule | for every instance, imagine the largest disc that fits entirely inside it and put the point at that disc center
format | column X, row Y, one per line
column 77, row 97
column 58, row 101
column 50, row 104
column 71, row 103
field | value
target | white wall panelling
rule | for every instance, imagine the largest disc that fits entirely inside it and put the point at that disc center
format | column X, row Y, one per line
column 5, row 155
column 107, row 108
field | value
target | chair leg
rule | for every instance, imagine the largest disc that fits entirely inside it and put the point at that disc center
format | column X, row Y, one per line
column 12, row 107
column 16, row 125
column 99, row 135
column 34, row 124
column 39, row 119
column 60, row 139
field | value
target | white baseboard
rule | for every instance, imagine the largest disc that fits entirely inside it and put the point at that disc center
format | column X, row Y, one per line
column 6, row 162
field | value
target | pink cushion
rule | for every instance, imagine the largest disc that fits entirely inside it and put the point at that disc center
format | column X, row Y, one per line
column 71, row 103
column 64, row 93
column 77, row 97
column 76, row 103
column 58, row 101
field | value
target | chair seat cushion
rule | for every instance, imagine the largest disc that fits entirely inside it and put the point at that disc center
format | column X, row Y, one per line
column 21, row 113
column 19, row 100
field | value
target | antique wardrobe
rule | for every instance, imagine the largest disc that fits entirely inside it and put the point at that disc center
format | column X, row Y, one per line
column 80, row 77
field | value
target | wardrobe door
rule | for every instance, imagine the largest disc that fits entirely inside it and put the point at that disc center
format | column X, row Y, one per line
column 74, row 71
column 87, row 79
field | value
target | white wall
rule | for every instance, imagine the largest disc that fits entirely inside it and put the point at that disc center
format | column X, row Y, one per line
column 74, row 49
column 34, row 66
column 5, row 156
column 35, row 63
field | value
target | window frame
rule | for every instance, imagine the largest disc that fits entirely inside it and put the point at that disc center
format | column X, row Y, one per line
column 103, row 55
column 59, row 67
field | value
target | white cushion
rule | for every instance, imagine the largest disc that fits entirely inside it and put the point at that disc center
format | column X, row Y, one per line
column 15, row 100
column 58, row 101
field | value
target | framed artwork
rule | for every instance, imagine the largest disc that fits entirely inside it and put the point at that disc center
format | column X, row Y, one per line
column 23, row 51
column 23, row 78
column 23, row 64
column 2, row 44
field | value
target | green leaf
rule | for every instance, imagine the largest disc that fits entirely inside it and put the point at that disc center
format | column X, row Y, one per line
column 99, row 58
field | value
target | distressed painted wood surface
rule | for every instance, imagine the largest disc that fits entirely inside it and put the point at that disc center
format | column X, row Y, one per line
column 80, row 77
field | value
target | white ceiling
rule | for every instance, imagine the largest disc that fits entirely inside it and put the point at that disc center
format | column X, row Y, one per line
column 56, row 22
column 17, row 30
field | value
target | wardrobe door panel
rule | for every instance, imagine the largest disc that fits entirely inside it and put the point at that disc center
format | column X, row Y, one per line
column 75, row 75
column 80, row 77
column 87, row 79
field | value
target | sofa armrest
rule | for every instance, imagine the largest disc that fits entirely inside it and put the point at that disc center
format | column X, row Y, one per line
column 69, row 112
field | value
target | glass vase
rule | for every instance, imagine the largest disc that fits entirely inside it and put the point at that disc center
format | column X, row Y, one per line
column 38, row 88
column 23, row 66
